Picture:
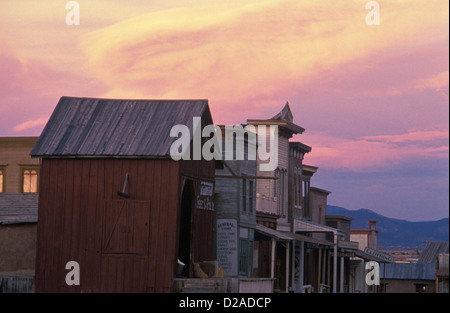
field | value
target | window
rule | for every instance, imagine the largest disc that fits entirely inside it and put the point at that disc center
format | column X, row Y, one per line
column 279, row 191
column 296, row 195
column 243, row 256
column 421, row 288
column 306, row 203
column 244, row 195
column 30, row 179
column 250, row 195
column 275, row 183
column 247, row 195
column 2, row 179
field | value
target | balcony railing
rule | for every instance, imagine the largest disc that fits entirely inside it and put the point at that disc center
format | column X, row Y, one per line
column 266, row 204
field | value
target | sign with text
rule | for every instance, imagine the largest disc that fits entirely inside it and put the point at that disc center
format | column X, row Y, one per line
column 378, row 254
column 347, row 244
column 206, row 188
column 227, row 246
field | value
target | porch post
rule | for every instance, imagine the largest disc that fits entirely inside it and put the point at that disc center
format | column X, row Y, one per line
column 341, row 285
column 301, row 265
column 293, row 266
column 272, row 259
column 287, row 266
column 335, row 258
column 319, row 269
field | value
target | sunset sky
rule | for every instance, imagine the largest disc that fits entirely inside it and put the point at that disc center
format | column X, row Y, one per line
column 374, row 99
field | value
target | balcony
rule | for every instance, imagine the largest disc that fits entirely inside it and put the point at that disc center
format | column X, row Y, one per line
column 266, row 204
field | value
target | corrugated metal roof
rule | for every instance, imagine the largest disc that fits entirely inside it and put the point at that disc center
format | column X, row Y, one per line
column 423, row 271
column 83, row 127
column 432, row 250
column 18, row 208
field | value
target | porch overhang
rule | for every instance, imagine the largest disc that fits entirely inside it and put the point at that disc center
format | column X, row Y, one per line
column 287, row 236
column 302, row 226
column 275, row 234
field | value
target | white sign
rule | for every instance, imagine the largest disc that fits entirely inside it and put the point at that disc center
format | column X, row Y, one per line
column 347, row 244
column 227, row 246
column 378, row 254
column 206, row 189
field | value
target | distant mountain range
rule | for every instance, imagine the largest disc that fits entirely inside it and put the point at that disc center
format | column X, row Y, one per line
column 396, row 233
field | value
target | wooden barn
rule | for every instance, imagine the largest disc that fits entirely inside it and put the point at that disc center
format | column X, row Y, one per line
column 113, row 200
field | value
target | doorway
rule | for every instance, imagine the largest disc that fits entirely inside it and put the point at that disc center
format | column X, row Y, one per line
column 184, row 240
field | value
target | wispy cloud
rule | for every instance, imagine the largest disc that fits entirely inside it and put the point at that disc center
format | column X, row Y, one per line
column 242, row 54
column 34, row 123
column 377, row 153
column 418, row 136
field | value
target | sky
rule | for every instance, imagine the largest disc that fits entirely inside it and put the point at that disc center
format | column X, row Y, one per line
column 373, row 98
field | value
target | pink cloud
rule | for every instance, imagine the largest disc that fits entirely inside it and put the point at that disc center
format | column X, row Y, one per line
column 377, row 152
column 411, row 136
column 30, row 124
column 30, row 91
column 242, row 57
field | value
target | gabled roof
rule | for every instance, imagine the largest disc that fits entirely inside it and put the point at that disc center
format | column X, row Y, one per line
column 18, row 208
column 432, row 250
column 87, row 127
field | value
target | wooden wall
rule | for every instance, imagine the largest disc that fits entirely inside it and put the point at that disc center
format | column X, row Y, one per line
column 202, row 219
column 121, row 244
column 82, row 218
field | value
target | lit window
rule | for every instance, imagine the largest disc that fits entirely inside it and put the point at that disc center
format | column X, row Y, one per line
column 2, row 180
column 29, row 180
column 421, row 288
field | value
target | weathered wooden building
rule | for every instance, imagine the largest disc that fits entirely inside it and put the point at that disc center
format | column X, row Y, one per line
column 235, row 205
column 113, row 200
column 272, row 199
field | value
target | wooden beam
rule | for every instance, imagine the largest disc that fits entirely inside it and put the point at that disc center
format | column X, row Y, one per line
column 229, row 168
column 245, row 176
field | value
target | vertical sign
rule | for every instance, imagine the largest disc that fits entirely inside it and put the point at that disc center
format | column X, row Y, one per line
column 227, row 246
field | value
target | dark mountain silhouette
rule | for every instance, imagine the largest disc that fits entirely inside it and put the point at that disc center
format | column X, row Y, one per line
column 396, row 233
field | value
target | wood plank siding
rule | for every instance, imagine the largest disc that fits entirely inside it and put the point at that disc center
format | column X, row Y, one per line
column 81, row 212
column 122, row 245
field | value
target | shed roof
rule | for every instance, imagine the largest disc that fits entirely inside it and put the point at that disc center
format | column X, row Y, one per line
column 86, row 127
column 288, row 236
column 18, row 208
column 432, row 250
column 420, row 271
